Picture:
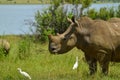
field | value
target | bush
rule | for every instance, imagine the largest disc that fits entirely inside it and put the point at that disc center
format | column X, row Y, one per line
column 104, row 13
column 51, row 21
column 118, row 12
column 111, row 12
column 42, row 29
column 92, row 13
column 54, row 19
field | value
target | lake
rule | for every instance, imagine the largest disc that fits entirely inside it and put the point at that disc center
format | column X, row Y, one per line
column 14, row 18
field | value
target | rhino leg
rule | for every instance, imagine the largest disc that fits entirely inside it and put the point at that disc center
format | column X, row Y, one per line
column 6, row 52
column 105, row 66
column 104, row 60
column 92, row 64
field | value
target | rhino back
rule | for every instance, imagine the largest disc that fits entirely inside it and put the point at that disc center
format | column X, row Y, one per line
column 100, row 35
column 5, row 44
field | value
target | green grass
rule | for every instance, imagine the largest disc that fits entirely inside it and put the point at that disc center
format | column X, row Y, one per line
column 24, row 1
column 41, row 65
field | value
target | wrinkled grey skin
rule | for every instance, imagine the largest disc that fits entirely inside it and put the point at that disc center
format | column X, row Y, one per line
column 98, row 39
column 5, row 45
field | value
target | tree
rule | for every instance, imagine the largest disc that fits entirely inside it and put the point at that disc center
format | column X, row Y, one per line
column 84, row 3
column 54, row 19
column 51, row 21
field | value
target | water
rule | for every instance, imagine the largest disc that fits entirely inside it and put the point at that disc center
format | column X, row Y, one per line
column 13, row 18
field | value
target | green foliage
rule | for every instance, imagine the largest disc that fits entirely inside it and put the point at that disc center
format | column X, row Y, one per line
column 42, row 29
column 104, row 1
column 51, row 21
column 111, row 12
column 91, row 13
column 56, row 3
column 9, row 0
column 45, row 66
column 86, row 3
column 2, row 53
column 118, row 12
column 54, row 19
column 73, row 1
column 104, row 13
column 24, row 48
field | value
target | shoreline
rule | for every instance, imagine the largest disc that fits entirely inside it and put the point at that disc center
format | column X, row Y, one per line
column 36, row 3
column 45, row 3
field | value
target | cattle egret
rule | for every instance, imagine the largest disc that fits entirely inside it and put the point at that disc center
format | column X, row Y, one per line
column 24, row 73
column 76, row 63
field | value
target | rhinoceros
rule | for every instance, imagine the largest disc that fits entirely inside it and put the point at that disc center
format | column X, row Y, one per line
column 114, row 20
column 5, row 46
column 98, row 39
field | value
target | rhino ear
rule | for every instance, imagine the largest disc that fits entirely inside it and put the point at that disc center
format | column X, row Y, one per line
column 73, row 19
column 50, row 36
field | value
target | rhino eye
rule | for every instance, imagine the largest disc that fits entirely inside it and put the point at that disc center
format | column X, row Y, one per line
column 64, row 38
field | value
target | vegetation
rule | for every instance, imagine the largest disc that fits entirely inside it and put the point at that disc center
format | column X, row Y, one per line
column 24, row 48
column 104, row 13
column 41, row 65
column 35, row 58
column 51, row 21
column 105, row 1
column 48, row 1
column 24, row 1
column 54, row 19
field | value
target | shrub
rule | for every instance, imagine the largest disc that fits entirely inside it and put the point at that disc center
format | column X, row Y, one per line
column 51, row 21
column 111, row 12
column 91, row 13
column 104, row 13
column 118, row 12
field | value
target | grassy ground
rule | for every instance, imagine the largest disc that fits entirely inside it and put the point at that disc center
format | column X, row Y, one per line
column 41, row 65
column 24, row 1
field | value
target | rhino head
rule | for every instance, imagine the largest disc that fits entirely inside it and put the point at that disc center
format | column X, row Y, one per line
column 62, row 43
column 59, row 44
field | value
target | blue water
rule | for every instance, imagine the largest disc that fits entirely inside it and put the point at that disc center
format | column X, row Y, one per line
column 13, row 18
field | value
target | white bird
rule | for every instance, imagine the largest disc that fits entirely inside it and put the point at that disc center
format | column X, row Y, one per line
column 76, row 63
column 24, row 73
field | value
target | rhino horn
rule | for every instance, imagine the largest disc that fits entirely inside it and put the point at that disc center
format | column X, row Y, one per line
column 69, row 20
column 58, row 34
column 73, row 20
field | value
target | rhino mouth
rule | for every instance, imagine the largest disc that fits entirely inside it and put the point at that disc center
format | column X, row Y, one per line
column 53, row 50
column 56, row 52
